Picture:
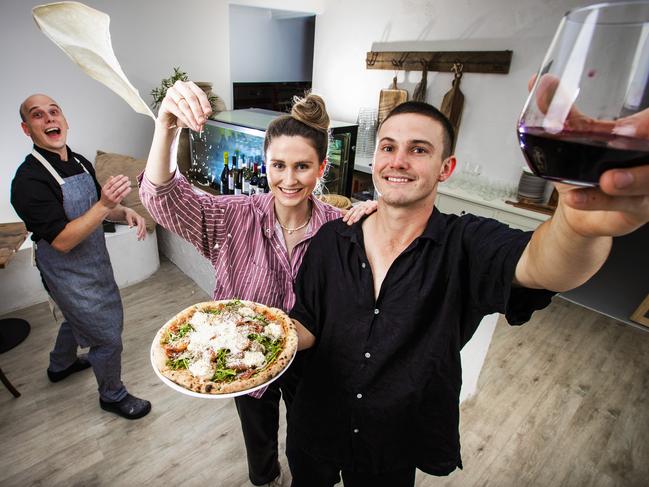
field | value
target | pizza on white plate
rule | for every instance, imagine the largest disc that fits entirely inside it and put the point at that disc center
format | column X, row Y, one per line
column 224, row 347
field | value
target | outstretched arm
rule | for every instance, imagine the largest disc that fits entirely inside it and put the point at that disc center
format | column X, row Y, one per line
column 172, row 202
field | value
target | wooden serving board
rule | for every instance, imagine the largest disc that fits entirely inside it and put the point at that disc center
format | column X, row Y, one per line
column 452, row 106
column 390, row 98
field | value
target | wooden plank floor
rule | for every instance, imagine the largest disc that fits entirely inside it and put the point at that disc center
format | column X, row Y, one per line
column 563, row 401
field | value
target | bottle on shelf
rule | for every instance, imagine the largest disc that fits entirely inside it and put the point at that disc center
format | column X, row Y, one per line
column 232, row 177
column 238, row 180
column 263, row 181
column 225, row 174
column 245, row 185
column 254, row 180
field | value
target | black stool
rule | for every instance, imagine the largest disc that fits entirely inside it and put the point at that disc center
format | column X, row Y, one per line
column 12, row 332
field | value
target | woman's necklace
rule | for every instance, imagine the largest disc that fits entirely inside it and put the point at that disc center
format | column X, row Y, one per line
column 291, row 230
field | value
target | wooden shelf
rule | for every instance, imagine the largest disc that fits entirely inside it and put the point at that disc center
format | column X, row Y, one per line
column 538, row 207
column 495, row 62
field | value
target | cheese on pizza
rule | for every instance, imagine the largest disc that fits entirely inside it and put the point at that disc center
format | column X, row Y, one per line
column 225, row 342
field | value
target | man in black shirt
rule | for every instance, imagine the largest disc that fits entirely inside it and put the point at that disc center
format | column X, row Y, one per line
column 57, row 195
column 388, row 304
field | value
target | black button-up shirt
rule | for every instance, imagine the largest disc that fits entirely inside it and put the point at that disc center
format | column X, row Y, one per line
column 37, row 197
column 381, row 391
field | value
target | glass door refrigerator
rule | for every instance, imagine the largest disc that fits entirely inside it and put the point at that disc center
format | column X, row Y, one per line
column 241, row 133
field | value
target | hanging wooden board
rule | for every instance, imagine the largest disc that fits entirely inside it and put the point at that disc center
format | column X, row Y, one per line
column 496, row 62
column 390, row 98
column 452, row 106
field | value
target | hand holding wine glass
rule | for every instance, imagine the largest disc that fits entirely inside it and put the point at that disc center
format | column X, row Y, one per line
column 586, row 121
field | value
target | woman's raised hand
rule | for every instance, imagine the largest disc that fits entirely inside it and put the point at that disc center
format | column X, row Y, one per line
column 184, row 105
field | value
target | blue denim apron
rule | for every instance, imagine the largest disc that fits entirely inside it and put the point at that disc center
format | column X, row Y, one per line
column 82, row 284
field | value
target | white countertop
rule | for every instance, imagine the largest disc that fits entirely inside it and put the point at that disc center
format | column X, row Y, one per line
column 498, row 204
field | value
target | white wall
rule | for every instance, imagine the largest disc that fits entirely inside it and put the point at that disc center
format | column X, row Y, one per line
column 266, row 48
column 149, row 39
column 347, row 30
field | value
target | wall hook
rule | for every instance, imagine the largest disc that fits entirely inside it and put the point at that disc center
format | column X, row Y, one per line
column 373, row 57
column 457, row 70
column 398, row 63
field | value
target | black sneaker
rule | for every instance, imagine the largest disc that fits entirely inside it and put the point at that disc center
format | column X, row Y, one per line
column 80, row 364
column 130, row 407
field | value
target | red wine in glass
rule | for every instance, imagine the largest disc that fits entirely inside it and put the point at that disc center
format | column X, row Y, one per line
column 588, row 109
column 579, row 157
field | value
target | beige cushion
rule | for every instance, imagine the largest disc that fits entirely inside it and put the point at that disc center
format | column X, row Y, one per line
column 108, row 164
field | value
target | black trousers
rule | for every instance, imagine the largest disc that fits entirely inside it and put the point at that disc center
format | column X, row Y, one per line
column 311, row 472
column 260, row 423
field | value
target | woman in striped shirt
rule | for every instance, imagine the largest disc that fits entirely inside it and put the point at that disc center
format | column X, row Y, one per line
column 256, row 243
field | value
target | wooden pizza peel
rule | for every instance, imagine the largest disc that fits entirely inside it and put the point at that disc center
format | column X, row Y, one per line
column 453, row 101
column 390, row 98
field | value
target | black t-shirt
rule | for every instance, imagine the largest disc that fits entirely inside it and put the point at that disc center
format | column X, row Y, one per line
column 37, row 197
column 381, row 391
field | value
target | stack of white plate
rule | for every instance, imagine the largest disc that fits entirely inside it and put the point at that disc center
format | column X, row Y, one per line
column 531, row 188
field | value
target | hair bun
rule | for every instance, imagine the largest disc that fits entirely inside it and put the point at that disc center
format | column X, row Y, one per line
column 311, row 110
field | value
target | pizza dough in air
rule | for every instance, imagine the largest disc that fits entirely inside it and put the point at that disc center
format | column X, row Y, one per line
column 83, row 34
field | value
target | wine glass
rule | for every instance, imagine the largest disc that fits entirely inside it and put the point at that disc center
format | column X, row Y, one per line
column 588, row 110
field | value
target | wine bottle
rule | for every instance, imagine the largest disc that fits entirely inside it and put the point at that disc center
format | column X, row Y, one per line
column 225, row 175
column 245, row 185
column 263, row 181
column 254, row 180
column 232, row 177
column 238, row 182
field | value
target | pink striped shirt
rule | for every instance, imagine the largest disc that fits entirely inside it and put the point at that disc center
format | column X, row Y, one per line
column 238, row 235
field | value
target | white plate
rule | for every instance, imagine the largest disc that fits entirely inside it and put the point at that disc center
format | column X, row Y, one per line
column 187, row 392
